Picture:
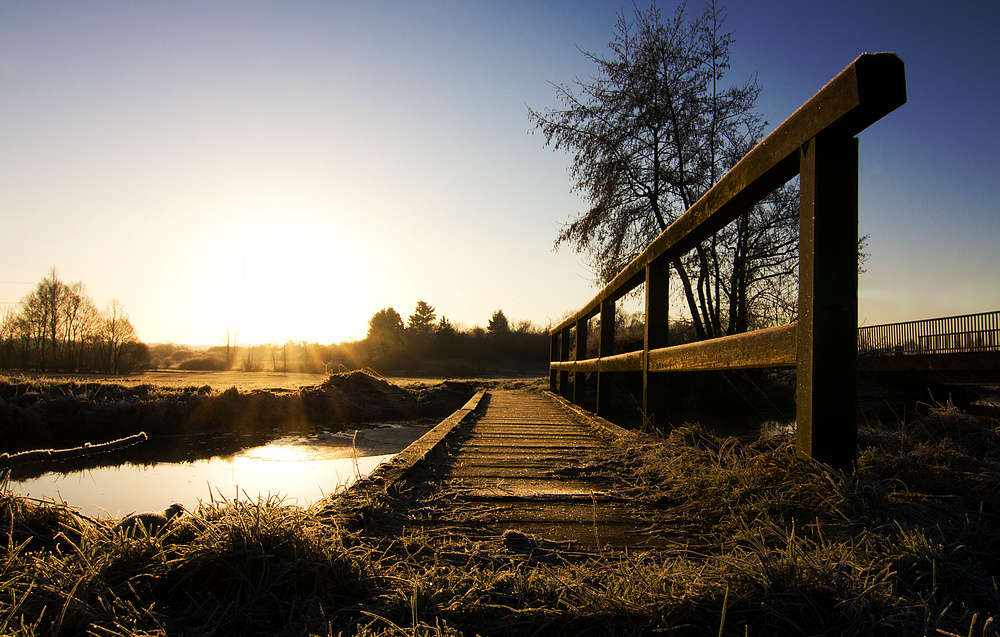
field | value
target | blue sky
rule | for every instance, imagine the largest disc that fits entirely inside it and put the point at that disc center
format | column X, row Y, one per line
column 290, row 169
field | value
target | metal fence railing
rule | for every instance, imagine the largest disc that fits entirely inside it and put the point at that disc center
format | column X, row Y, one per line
column 948, row 335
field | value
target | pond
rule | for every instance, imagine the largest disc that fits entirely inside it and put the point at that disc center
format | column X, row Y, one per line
column 299, row 469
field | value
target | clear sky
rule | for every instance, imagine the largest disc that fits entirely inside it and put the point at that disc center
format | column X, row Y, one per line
column 292, row 168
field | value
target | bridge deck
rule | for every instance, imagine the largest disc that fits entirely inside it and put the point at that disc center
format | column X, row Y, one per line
column 523, row 462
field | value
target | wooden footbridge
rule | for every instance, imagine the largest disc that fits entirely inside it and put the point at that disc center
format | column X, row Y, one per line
column 518, row 466
column 512, row 463
column 818, row 144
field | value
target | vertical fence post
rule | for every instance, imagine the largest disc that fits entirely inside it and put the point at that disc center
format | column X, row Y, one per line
column 553, row 356
column 654, row 337
column 564, row 356
column 827, row 364
column 580, row 378
column 607, row 348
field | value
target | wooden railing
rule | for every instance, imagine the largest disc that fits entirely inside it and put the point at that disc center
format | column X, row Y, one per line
column 947, row 335
column 817, row 142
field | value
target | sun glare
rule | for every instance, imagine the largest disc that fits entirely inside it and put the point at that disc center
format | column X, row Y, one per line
column 286, row 280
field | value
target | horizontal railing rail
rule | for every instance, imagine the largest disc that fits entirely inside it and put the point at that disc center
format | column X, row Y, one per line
column 952, row 334
column 816, row 142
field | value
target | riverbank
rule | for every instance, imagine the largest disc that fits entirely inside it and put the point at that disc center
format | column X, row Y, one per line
column 188, row 422
column 765, row 543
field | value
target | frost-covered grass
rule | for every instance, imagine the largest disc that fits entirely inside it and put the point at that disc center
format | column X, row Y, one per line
column 763, row 543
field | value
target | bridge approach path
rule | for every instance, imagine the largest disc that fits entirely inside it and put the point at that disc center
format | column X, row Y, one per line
column 518, row 465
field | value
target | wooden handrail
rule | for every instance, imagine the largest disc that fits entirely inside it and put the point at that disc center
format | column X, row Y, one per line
column 870, row 88
column 816, row 142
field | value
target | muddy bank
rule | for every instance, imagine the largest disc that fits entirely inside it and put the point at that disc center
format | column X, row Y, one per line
column 187, row 422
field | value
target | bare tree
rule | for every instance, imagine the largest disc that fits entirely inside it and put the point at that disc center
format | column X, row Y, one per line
column 650, row 133
column 58, row 328
column 116, row 335
column 80, row 323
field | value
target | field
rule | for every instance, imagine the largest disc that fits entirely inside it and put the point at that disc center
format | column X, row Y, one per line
column 244, row 381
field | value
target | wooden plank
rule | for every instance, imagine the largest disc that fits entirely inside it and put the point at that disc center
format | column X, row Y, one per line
column 771, row 347
column 871, row 87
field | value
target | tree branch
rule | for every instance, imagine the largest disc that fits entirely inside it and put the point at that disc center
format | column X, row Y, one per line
column 42, row 455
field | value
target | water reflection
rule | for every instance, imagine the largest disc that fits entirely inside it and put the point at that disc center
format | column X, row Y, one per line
column 302, row 469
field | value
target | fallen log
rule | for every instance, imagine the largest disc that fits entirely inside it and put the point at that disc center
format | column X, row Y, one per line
column 43, row 455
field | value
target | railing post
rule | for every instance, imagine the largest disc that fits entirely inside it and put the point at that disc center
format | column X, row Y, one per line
column 564, row 356
column 607, row 348
column 553, row 356
column 580, row 378
column 827, row 364
column 655, row 336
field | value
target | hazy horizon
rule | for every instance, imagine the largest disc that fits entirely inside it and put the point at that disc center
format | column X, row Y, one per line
column 290, row 172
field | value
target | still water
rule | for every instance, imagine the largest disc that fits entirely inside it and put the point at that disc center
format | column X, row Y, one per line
column 300, row 469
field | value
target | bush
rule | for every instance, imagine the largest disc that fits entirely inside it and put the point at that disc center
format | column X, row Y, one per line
column 204, row 363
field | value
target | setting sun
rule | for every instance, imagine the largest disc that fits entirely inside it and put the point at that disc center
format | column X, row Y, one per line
column 288, row 173
column 288, row 277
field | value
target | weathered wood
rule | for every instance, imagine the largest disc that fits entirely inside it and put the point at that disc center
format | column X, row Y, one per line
column 564, row 355
column 655, row 329
column 580, row 378
column 871, row 87
column 817, row 142
column 628, row 362
column 826, row 366
column 553, row 357
column 771, row 347
column 45, row 455
column 607, row 348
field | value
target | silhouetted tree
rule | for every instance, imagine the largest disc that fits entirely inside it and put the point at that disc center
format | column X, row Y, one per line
column 478, row 350
column 116, row 336
column 386, row 321
column 81, row 319
column 58, row 328
column 447, row 340
column 651, row 132
column 421, row 329
column 385, row 338
column 498, row 325
column 422, row 319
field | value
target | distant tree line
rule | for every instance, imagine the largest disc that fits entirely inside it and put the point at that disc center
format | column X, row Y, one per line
column 58, row 328
column 423, row 344
column 427, row 341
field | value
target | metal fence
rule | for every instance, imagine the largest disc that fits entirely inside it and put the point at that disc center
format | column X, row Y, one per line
column 952, row 334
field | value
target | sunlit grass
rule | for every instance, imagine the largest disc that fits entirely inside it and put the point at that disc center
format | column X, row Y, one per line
column 763, row 543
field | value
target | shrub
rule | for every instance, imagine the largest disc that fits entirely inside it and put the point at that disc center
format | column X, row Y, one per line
column 203, row 363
